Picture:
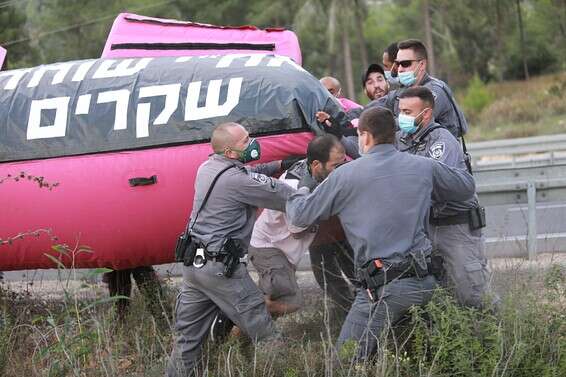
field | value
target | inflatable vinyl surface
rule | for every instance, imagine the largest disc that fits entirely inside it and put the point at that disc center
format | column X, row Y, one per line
column 140, row 36
column 122, row 140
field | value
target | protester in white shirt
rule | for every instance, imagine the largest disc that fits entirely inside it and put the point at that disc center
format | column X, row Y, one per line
column 276, row 246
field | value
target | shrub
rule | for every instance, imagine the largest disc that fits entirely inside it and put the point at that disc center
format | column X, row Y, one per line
column 477, row 97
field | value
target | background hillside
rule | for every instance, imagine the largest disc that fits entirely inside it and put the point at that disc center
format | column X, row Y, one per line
column 490, row 51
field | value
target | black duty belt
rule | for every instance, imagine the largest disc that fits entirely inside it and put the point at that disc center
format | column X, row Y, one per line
column 460, row 218
column 217, row 256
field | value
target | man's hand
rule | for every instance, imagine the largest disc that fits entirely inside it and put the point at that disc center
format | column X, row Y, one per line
column 326, row 121
column 322, row 117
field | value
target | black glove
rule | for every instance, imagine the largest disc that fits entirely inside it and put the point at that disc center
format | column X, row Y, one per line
column 350, row 132
column 335, row 129
column 290, row 161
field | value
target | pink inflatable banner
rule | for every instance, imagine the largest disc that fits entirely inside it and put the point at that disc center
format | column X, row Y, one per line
column 128, row 206
column 139, row 36
column 2, row 56
column 94, row 202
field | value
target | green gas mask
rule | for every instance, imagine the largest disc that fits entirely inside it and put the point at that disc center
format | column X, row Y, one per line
column 251, row 153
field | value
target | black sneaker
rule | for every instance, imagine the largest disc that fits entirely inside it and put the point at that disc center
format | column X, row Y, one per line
column 221, row 327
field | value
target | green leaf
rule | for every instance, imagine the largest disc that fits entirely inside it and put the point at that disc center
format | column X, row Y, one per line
column 55, row 260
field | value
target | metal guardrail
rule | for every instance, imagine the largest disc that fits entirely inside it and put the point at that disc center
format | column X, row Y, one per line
column 522, row 145
column 528, row 151
column 534, row 186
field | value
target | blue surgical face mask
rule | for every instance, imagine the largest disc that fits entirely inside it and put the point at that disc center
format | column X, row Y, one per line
column 388, row 75
column 407, row 123
column 407, row 78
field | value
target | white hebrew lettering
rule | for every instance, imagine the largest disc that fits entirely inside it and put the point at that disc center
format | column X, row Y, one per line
column 83, row 70
column 15, row 77
column 226, row 60
column 122, row 98
column 83, row 104
column 212, row 108
column 171, row 93
column 277, row 61
column 183, row 59
column 122, row 69
column 62, row 70
column 142, row 120
column 253, row 60
column 59, row 126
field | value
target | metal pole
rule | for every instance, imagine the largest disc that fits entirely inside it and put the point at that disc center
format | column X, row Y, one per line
column 532, row 220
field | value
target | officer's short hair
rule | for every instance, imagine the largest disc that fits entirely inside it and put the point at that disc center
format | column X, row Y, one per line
column 379, row 122
column 392, row 51
column 422, row 92
column 222, row 137
column 320, row 147
column 417, row 46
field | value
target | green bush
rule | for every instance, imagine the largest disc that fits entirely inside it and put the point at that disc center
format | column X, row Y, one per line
column 477, row 97
column 79, row 336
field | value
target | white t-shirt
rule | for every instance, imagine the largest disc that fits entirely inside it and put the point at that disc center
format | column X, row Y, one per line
column 272, row 230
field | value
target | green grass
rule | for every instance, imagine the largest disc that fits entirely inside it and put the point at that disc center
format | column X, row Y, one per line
column 517, row 108
column 79, row 336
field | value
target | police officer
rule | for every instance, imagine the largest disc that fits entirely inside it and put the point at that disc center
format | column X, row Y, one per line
column 224, row 224
column 382, row 200
column 411, row 64
column 455, row 226
column 388, row 59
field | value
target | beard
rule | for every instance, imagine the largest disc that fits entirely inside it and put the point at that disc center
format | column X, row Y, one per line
column 378, row 93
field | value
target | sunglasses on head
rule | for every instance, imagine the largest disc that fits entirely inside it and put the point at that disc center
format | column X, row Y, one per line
column 406, row 63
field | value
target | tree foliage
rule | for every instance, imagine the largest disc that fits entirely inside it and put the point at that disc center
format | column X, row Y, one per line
column 470, row 37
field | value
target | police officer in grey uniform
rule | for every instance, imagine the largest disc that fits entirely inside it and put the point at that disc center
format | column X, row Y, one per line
column 382, row 200
column 455, row 225
column 411, row 64
column 227, row 219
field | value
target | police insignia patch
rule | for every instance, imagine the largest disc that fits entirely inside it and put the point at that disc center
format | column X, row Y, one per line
column 260, row 178
column 437, row 150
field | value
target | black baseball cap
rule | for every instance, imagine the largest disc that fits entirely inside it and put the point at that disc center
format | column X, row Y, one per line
column 374, row 67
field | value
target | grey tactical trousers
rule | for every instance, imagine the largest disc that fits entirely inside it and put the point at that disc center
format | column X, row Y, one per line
column 465, row 263
column 367, row 320
column 205, row 292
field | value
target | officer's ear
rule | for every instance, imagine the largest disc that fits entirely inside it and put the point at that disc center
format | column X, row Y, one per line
column 428, row 115
column 424, row 64
column 229, row 153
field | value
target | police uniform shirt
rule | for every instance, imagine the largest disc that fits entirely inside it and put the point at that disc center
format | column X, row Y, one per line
column 440, row 145
column 231, row 207
column 382, row 200
column 446, row 111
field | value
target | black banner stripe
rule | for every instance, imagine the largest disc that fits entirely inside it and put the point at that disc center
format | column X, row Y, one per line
column 194, row 46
